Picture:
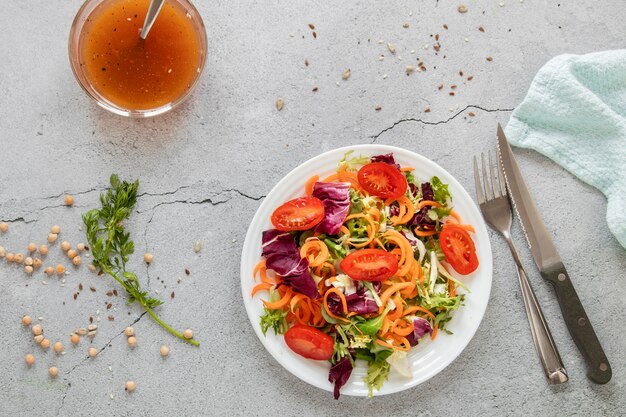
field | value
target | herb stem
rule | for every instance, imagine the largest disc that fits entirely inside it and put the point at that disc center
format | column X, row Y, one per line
column 168, row 328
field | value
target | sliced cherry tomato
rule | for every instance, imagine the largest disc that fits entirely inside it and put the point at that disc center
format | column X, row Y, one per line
column 309, row 342
column 298, row 214
column 369, row 265
column 382, row 180
column 458, row 248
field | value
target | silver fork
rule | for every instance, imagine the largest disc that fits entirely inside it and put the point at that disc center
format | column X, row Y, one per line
column 496, row 209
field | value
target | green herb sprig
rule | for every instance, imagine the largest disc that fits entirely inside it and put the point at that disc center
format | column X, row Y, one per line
column 111, row 245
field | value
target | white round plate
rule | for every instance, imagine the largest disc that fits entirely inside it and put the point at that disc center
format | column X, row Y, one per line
column 426, row 359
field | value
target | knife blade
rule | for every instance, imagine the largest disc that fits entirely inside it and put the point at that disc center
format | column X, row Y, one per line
column 551, row 267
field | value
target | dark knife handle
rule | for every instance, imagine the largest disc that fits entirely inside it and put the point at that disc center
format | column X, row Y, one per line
column 579, row 326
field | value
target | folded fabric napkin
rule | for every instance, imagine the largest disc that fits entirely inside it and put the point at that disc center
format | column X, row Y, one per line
column 575, row 114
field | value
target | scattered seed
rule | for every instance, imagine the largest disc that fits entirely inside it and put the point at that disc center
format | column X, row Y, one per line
column 315, row 35
column 53, row 372
column 58, row 347
column 92, row 289
column 27, row 320
column 148, row 257
column 445, row 27
column 80, row 247
column 2, row 252
column 92, row 351
column 427, row 110
column 56, row 229
column 470, row 78
column 4, row 227
column 279, row 104
column 111, row 318
column 45, row 344
column 65, row 246
column 187, row 272
column 188, row 334
column 197, row 246
column 32, row 247
column 75, row 339
column 482, row 29
column 75, row 296
column 115, row 293
column 69, row 200
column 37, row 329
column 451, row 93
column 129, row 331
column 306, row 62
column 52, row 237
column 130, row 386
column 315, row 89
column 346, row 74
column 311, row 26
column 378, row 108
column 28, row 261
column 440, row 86
column 164, row 350
column 92, row 267
column 436, row 47
column 453, row 86
column 471, row 114
column 29, row 359
column 172, row 295
column 409, row 69
column 462, row 8
column 406, row 25
column 92, row 334
column 489, row 58
column 132, row 341
column 92, row 327
column 391, row 48
column 82, row 331
column 38, row 339
column 43, row 249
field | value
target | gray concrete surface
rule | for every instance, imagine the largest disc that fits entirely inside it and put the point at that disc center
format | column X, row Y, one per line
column 205, row 168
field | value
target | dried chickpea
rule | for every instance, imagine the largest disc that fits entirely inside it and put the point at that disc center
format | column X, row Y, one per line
column 69, row 200
column 60, row 269
column 53, row 372
column 58, row 347
column 27, row 320
column 38, row 339
column 76, row 260
column 132, row 341
column 28, row 261
column 29, row 359
column 92, row 351
column 65, row 246
column 75, row 339
column 36, row 263
column 130, row 386
column 43, row 249
column 129, row 331
column 49, row 270
column 10, row 257
column 52, row 237
column 19, row 258
column 164, row 350
column 2, row 252
column 28, row 269
column 4, row 227
column 56, row 229
column 32, row 247
column 71, row 253
column 80, row 247
column 37, row 329
column 148, row 257
column 188, row 334
column 45, row 343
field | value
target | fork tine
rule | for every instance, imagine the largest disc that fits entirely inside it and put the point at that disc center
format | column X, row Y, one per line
column 479, row 187
column 501, row 173
column 494, row 183
column 487, row 189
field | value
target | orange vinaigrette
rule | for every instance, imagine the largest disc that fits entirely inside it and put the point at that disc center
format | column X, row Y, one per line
column 140, row 74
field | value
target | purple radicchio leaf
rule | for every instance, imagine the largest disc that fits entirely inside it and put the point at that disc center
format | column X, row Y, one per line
column 336, row 199
column 413, row 242
column 420, row 328
column 386, row 158
column 340, row 373
column 282, row 256
column 421, row 219
column 427, row 191
column 357, row 302
column 394, row 209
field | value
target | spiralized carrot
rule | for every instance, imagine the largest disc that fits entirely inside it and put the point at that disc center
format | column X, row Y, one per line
column 407, row 169
column 384, row 297
column 315, row 251
column 258, row 267
column 423, row 233
column 455, row 215
column 344, row 304
column 280, row 303
column 425, row 203
column 406, row 210
column 308, row 186
column 319, row 270
column 260, row 287
column 404, row 265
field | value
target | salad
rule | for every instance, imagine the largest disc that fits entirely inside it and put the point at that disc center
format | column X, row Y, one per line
column 359, row 267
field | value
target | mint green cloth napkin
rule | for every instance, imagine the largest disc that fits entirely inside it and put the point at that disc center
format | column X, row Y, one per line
column 575, row 114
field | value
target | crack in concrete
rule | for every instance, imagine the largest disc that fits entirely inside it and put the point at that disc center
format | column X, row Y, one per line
column 70, row 193
column 182, row 187
column 439, row 122
column 67, row 389
column 106, row 345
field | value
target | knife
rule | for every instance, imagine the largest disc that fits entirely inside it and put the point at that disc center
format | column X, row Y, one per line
column 551, row 267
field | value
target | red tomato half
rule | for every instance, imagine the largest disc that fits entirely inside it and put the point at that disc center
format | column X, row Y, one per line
column 298, row 214
column 382, row 180
column 309, row 342
column 369, row 265
column 458, row 248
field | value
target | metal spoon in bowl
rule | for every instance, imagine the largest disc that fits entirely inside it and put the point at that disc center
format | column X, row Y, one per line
column 153, row 12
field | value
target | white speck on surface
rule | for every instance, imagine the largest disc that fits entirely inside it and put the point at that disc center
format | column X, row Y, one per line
column 291, row 35
column 382, row 57
column 501, row 4
column 385, row 76
column 111, row 396
column 412, row 51
column 425, row 46
column 466, row 39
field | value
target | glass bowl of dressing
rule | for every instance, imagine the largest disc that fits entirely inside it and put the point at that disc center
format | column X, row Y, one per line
column 130, row 76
